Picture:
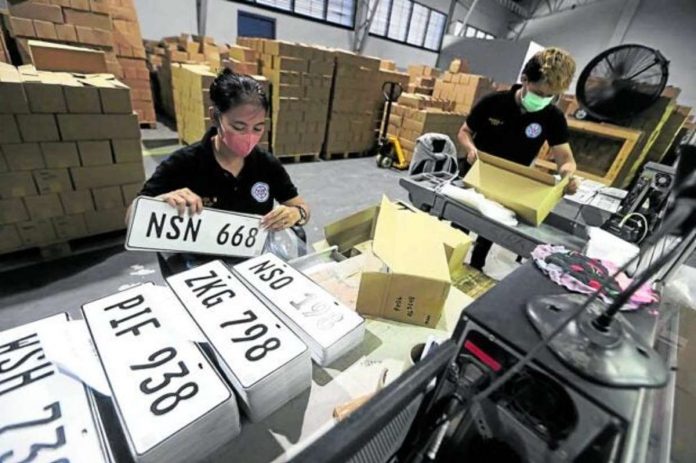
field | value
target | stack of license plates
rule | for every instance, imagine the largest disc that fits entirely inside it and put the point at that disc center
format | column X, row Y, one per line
column 266, row 363
column 171, row 403
column 329, row 328
column 45, row 414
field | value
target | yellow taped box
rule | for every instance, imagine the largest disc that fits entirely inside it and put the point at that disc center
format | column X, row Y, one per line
column 530, row 193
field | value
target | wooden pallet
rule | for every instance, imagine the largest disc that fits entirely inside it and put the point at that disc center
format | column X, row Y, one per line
column 35, row 255
column 347, row 155
column 293, row 158
column 588, row 162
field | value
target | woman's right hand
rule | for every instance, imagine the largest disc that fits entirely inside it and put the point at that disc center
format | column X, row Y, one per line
column 472, row 154
column 183, row 198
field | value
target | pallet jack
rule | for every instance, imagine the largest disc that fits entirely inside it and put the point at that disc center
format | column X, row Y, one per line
column 388, row 149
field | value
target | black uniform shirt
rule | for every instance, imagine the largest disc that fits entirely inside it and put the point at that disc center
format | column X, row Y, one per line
column 262, row 179
column 503, row 130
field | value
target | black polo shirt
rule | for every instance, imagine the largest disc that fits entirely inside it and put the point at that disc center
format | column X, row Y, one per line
column 262, row 179
column 502, row 129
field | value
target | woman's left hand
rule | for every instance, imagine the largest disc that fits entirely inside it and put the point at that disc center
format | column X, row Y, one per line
column 280, row 218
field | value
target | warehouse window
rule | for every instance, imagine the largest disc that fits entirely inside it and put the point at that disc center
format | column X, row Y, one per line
column 408, row 22
column 399, row 19
column 334, row 12
column 381, row 18
column 436, row 27
column 419, row 22
column 311, row 8
column 285, row 5
column 475, row 32
column 341, row 12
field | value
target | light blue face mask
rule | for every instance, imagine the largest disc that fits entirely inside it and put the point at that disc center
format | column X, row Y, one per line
column 533, row 102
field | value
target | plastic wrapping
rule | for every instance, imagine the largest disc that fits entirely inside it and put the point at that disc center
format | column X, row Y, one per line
column 434, row 152
column 285, row 244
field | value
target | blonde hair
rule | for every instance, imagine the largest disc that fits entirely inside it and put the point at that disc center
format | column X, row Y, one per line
column 557, row 68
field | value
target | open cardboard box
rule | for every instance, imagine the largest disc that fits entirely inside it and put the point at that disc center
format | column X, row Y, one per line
column 530, row 193
column 418, row 253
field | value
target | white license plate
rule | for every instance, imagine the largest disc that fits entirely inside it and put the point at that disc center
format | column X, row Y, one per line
column 156, row 226
column 161, row 382
column 248, row 337
column 309, row 306
column 45, row 415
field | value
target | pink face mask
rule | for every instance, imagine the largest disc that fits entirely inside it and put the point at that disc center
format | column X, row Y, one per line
column 241, row 144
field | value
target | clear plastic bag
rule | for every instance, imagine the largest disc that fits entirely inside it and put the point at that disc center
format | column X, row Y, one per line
column 285, row 244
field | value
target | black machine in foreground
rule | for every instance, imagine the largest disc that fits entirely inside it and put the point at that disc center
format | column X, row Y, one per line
column 505, row 388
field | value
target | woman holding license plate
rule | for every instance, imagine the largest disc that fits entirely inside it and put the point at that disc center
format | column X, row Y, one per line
column 227, row 169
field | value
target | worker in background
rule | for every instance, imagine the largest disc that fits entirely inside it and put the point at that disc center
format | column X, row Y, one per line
column 226, row 169
column 515, row 124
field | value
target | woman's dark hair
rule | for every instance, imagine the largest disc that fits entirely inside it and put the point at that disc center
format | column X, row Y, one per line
column 230, row 90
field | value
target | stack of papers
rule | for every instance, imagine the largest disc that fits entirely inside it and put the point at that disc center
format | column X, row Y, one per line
column 266, row 363
column 329, row 328
column 44, row 411
column 172, row 404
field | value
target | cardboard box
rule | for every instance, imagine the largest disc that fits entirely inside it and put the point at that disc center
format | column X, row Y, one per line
column 9, row 238
column 36, row 10
column 88, row 19
column 45, row 30
column 109, row 197
column 70, row 226
column 60, row 154
column 532, row 194
column 116, row 100
column 418, row 252
column 16, row 185
column 9, row 132
column 20, row 27
column 43, row 206
column 111, row 175
column 23, row 156
column 66, row 58
column 12, row 211
column 45, row 98
column 12, row 97
column 52, row 180
column 77, row 201
column 106, row 221
column 95, row 153
column 82, row 100
column 130, row 192
column 76, row 127
column 3, row 163
column 38, row 127
column 36, row 232
column 127, row 150
column 459, row 65
column 66, row 33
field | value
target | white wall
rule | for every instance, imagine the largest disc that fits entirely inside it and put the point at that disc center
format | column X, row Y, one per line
column 165, row 18
column 668, row 25
column 499, row 59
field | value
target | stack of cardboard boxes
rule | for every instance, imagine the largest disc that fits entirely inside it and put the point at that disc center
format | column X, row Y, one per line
column 192, row 100
column 70, row 156
column 128, row 44
column 242, row 60
column 410, row 119
column 4, row 55
column 422, row 79
column 300, row 77
column 181, row 49
column 351, row 125
column 461, row 88
column 77, row 22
